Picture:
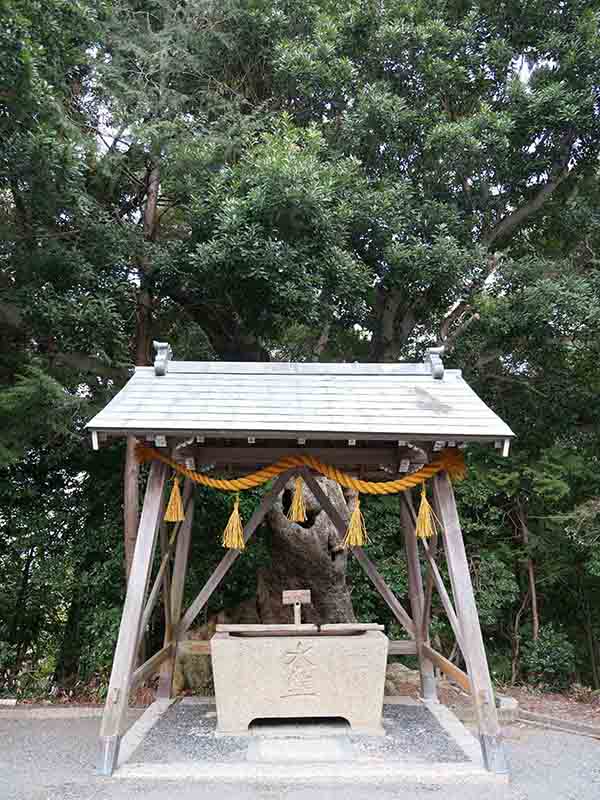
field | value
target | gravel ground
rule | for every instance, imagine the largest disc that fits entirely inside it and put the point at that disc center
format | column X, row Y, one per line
column 55, row 760
column 187, row 733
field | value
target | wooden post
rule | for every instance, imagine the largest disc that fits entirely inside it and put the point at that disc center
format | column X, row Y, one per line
column 473, row 648
column 123, row 662
column 417, row 602
column 131, row 511
column 182, row 550
column 184, row 538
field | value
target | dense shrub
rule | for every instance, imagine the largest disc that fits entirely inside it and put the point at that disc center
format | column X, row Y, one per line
column 550, row 660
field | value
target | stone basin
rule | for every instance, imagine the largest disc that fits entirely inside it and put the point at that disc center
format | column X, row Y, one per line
column 290, row 672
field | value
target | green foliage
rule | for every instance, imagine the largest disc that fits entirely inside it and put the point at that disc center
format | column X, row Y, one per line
column 550, row 659
column 386, row 549
column 35, row 409
column 495, row 586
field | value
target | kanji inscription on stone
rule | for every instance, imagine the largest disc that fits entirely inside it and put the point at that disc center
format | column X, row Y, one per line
column 299, row 671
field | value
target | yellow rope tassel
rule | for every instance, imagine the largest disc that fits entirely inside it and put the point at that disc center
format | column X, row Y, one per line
column 233, row 535
column 427, row 522
column 174, row 512
column 356, row 535
column 297, row 512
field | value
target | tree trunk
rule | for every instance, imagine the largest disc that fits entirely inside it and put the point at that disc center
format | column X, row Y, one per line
column 67, row 663
column 516, row 642
column 535, row 617
column 306, row 556
column 21, row 600
column 591, row 639
column 142, row 350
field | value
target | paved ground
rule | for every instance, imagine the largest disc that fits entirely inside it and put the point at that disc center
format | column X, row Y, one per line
column 54, row 759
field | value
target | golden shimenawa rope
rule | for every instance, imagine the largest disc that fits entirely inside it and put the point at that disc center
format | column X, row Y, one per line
column 450, row 459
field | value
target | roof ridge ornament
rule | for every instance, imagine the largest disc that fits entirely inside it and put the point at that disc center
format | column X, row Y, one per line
column 433, row 357
column 163, row 355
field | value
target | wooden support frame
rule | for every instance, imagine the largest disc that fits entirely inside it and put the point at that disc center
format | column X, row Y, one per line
column 428, row 592
column 462, row 614
column 434, row 577
column 174, row 589
column 163, row 578
column 231, row 556
column 448, row 668
column 443, row 594
column 466, row 609
column 123, row 662
column 149, row 667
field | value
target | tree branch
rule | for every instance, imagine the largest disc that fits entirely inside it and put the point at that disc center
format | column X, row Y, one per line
column 516, row 218
column 448, row 340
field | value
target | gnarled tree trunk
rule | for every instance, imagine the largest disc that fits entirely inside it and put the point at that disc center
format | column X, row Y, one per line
column 306, row 555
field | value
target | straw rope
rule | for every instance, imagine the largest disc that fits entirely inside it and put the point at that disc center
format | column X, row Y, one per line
column 451, row 460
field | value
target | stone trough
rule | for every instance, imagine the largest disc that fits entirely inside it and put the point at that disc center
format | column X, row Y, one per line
column 299, row 671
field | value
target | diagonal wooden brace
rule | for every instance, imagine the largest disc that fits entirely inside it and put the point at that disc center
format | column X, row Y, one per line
column 468, row 619
column 123, row 662
column 365, row 562
column 231, row 556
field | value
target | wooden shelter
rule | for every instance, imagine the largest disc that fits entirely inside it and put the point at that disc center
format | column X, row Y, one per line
column 376, row 421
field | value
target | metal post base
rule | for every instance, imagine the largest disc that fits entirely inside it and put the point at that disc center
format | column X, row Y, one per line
column 429, row 688
column 109, row 755
column 494, row 758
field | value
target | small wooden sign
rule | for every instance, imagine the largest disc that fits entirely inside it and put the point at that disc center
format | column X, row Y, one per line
column 296, row 596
